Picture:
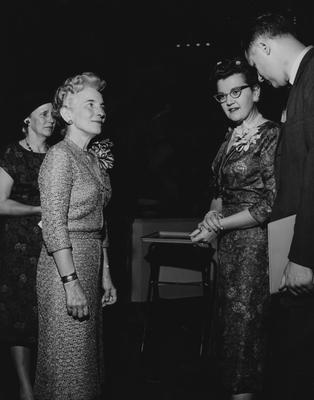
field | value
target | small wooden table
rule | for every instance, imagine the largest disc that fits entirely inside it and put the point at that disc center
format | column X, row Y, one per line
column 175, row 249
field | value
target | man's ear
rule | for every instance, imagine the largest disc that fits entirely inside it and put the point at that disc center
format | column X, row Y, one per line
column 256, row 93
column 264, row 45
column 66, row 114
column 27, row 121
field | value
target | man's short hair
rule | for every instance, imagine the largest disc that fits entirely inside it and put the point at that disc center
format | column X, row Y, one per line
column 268, row 25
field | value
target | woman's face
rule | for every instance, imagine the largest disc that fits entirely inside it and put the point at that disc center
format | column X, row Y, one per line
column 87, row 111
column 237, row 109
column 41, row 121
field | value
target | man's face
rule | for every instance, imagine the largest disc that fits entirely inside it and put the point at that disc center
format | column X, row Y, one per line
column 263, row 57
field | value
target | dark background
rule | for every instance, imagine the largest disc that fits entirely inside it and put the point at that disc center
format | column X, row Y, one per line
column 156, row 57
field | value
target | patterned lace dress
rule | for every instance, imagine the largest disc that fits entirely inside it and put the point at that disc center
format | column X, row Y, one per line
column 244, row 178
column 21, row 240
column 74, row 190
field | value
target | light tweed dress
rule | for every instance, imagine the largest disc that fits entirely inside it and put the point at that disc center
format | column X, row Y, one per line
column 74, row 190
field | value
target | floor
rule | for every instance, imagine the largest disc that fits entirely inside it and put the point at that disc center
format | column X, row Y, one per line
column 169, row 367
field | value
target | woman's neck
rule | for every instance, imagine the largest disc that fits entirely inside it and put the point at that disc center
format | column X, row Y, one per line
column 254, row 119
column 36, row 144
column 79, row 138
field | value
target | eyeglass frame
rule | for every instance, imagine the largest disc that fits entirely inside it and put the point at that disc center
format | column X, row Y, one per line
column 240, row 88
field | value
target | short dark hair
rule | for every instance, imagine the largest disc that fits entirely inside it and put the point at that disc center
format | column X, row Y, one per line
column 237, row 65
column 269, row 25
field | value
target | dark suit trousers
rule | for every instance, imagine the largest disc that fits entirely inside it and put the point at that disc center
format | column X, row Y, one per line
column 290, row 371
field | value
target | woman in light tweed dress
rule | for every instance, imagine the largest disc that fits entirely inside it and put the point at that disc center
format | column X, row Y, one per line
column 73, row 278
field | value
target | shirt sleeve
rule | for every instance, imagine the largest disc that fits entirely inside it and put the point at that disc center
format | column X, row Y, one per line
column 55, row 185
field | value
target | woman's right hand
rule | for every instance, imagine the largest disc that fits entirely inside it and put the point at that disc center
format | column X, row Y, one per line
column 76, row 300
column 202, row 236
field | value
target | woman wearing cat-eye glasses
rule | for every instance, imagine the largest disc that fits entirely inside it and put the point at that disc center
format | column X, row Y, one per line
column 243, row 195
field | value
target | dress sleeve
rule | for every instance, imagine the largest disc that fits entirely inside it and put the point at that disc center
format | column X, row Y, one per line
column 215, row 184
column 55, row 185
column 8, row 162
column 108, row 191
column 106, row 238
column 262, row 209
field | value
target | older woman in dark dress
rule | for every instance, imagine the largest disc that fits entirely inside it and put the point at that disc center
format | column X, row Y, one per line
column 21, row 242
column 243, row 171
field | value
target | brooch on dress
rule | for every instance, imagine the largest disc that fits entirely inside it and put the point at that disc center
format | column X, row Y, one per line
column 244, row 136
column 101, row 149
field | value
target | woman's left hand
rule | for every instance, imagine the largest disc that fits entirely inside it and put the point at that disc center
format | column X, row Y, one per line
column 212, row 221
column 110, row 292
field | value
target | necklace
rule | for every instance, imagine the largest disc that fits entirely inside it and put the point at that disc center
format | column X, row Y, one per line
column 28, row 146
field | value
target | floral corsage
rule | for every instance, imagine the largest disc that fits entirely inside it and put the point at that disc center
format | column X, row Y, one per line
column 101, row 149
column 244, row 136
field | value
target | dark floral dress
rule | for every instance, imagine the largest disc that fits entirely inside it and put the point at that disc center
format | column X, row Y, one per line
column 244, row 178
column 20, row 248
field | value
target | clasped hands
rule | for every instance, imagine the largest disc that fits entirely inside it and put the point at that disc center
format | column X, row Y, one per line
column 208, row 229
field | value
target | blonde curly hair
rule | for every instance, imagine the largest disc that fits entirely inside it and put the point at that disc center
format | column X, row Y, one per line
column 71, row 86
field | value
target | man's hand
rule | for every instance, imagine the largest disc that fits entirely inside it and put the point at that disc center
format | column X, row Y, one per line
column 297, row 279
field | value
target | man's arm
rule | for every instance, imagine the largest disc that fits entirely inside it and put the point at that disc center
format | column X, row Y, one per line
column 298, row 275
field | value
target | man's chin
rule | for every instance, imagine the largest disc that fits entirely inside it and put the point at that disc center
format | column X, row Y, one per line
column 276, row 84
column 270, row 83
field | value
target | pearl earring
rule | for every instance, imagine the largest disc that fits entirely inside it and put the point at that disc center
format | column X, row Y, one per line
column 70, row 122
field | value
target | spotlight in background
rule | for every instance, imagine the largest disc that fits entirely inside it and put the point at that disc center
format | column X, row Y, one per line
column 196, row 44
